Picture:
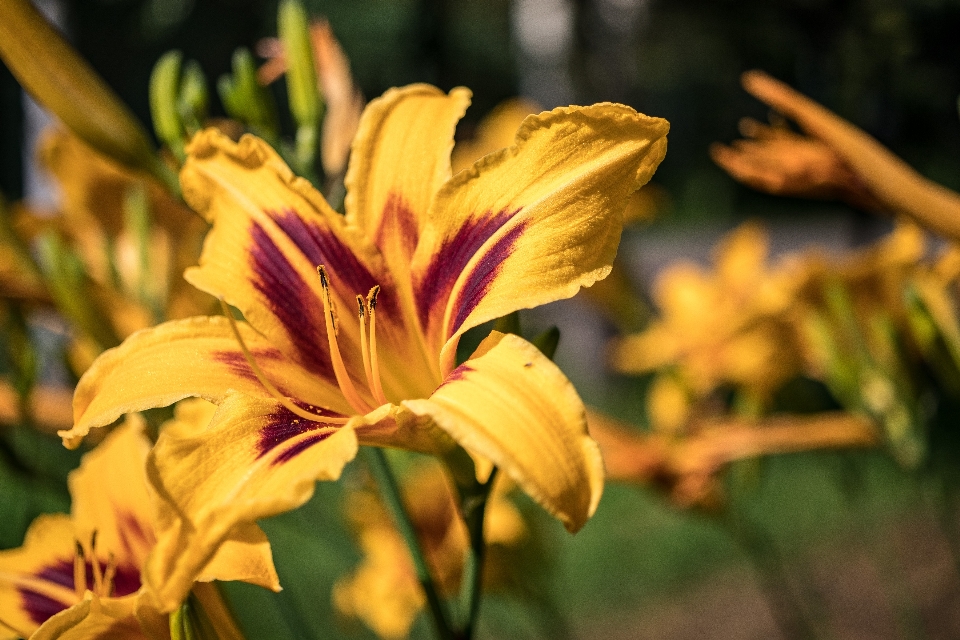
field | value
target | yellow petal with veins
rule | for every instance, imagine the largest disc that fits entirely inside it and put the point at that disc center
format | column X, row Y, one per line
column 185, row 358
column 512, row 405
column 534, row 222
column 399, row 160
column 255, row 460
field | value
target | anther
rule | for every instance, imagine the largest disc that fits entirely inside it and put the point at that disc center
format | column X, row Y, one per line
column 272, row 390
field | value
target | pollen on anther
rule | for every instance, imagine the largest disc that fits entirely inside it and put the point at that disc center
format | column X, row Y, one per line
column 323, row 275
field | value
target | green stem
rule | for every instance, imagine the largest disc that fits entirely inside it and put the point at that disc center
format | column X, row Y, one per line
column 379, row 466
column 771, row 573
column 474, row 510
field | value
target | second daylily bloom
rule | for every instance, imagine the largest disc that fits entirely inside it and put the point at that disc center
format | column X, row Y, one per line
column 364, row 352
column 80, row 576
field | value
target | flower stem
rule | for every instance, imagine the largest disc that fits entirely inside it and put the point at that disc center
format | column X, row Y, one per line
column 379, row 466
column 787, row 613
column 474, row 509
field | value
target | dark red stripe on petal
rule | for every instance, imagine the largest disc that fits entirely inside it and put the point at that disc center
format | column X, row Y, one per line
column 299, row 447
column 398, row 224
column 320, row 245
column 484, row 272
column 40, row 607
column 126, row 580
column 238, row 365
column 437, row 281
column 457, row 374
column 283, row 425
column 61, row 573
column 291, row 300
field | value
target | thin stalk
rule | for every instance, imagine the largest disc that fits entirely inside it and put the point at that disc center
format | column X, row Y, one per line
column 474, row 511
column 771, row 574
column 379, row 466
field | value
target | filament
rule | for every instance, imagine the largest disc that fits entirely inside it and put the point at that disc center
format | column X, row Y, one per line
column 374, row 360
column 95, row 563
column 339, row 370
column 79, row 571
column 272, row 390
column 109, row 574
column 365, row 352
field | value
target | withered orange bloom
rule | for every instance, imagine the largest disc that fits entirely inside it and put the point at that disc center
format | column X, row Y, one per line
column 364, row 352
column 80, row 576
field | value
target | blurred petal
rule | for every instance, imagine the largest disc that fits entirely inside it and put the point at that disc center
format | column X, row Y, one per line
column 111, row 496
column 63, row 82
column 94, row 618
column 36, row 580
column 496, row 131
column 512, row 405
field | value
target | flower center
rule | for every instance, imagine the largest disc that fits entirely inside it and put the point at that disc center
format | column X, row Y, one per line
column 102, row 576
column 368, row 348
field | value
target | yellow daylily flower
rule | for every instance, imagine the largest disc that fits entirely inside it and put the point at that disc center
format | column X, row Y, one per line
column 728, row 325
column 300, row 383
column 80, row 576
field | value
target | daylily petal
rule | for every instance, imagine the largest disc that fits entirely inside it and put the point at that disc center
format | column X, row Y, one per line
column 399, row 160
column 111, row 495
column 255, row 460
column 246, row 554
column 94, row 618
column 184, row 358
column 511, row 404
column 270, row 231
column 534, row 222
column 36, row 580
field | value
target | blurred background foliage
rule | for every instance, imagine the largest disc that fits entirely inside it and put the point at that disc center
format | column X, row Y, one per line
column 847, row 542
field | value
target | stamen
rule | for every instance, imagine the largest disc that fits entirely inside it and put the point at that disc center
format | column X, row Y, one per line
column 108, row 576
column 339, row 370
column 374, row 360
column 95, row 563
column 79, row 571
column 272, row 390
column 363, row 341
